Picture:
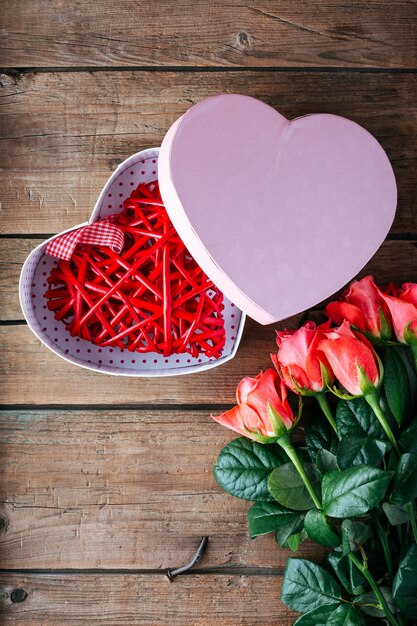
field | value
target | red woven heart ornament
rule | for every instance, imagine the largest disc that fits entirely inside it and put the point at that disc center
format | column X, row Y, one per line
column 149, row 296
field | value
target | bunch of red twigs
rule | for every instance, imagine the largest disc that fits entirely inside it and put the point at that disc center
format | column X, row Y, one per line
column 152, row 297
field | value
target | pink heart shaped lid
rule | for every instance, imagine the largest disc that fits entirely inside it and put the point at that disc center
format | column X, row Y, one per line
column 279, row 214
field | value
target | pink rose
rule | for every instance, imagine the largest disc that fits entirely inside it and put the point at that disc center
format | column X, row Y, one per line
column 408, row 293
column 352, row 359
column 362, row 306
column 262, row 412
column 403, row 310
column 297, row 361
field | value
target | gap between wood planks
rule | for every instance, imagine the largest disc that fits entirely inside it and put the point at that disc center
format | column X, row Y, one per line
column 115, row 407
column 15, row 71
column 219, row 571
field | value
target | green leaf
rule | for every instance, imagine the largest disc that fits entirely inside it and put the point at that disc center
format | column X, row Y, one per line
column 363, row 441
column 404, row 488
column 326, row 461
column 356, row 418
column 319, row 530
column 354, row 534
column 266, row 517
column 287, row 487
column 396, row 514
column 357, row 579
column 318, row 617
column 243, row 467
column 360, row 450
column 404, row 588
column 370, row 598
column 320, row 436
column 408, row 439
column 396, row 385
column 285, row 532
column 340, row 565
column 350, row 577
column 353, row 491
column 307, row 586
column 346, row 615
column 293, row 542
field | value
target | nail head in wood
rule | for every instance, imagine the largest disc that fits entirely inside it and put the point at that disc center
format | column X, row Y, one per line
column 4, row 523
column 18, row 595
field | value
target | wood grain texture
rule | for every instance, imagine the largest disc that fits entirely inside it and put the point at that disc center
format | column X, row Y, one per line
column 395, row 261
column 121, row 489
column 54, row 381
column 131, row 600
column 102, row 491
column 13, row 253
column 219, row 33
column 31, row 374
column 63, row 134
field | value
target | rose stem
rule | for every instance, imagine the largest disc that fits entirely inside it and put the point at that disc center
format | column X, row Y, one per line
column 325, row 407
column 363, row 568
column 373, row 401
column 412, row 515
column 286, row 444
column 381, row 532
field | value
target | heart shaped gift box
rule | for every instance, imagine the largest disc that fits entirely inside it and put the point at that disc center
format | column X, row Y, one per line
column 138, row 168
column 279, row 214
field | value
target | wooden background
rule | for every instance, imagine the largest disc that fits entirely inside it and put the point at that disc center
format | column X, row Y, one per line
column 107, row 481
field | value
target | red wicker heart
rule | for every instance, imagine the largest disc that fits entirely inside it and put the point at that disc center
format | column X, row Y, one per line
column 152, row 297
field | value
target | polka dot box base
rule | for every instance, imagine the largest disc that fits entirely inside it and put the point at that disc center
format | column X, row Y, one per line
column 140, row 167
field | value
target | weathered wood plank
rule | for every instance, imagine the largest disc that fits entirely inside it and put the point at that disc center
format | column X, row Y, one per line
column 133, row 600
column 54, row 381
column 227, row 33
column 13, row 253
column 32, row 374
column 394, row 261
column 64, row 133
column 119, row 489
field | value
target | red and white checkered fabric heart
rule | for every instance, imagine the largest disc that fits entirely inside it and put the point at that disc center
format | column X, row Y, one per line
column 102, row 233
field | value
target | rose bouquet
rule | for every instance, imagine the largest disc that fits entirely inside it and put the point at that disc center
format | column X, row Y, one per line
column 351, row 486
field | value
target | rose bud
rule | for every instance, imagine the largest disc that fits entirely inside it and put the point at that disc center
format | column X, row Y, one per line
column 403, row 311
column 362, row 306
column 297, row 361
column 408, row 293
column 262, row 412
column 302, row 368
column 353, row 360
